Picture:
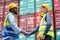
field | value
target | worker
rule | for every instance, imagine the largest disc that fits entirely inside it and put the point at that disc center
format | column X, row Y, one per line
column 44, row 29
column 10, row 30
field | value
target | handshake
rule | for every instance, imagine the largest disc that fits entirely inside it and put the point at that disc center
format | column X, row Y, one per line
column 27, row 34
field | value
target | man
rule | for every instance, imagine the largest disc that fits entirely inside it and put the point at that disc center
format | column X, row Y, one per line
column 44, row 29
column 10, row 30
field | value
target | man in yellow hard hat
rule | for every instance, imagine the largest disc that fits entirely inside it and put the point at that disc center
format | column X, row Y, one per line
column 10, row 30
column 44, row 29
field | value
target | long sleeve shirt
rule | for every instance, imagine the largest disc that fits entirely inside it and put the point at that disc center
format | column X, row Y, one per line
column 12, row 20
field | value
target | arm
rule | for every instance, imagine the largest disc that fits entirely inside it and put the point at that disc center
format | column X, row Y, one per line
column 35, row 30
column 13, row 25
column 48, row 19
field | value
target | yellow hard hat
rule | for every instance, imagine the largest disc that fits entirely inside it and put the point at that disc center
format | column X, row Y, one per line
column 12, row 5
column 46, row 6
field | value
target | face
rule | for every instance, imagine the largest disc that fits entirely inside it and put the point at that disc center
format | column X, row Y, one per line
column 43, row 9
column 14, row 10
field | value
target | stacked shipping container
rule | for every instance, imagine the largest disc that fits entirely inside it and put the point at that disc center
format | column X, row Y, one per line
column 1, row 16
column 57, row 18
column 57, row 12
column 29, row 14
column 27, row 18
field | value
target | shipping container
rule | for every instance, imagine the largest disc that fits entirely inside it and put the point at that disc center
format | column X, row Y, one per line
column 27, row 7
column 22, row 22
column 1, row 18
column 29, row 15
column 57, row 13
column 26, row 23
column 30, row 22
column 57, row 18
column 57, row 34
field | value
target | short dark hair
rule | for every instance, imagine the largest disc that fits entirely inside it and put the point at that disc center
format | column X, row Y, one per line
column 43, row 6
column 10, row 10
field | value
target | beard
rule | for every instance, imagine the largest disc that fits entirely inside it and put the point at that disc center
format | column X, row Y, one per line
column 15, row 12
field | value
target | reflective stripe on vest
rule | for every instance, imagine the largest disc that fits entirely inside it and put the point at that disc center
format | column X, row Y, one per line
column 11, row 32
column 7, row 24
column 43, row 27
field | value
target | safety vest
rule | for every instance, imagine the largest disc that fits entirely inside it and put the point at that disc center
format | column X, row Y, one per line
column 7, row 25
column 43, row 27
column 7, row 31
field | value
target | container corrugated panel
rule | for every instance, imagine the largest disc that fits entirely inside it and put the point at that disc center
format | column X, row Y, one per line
column 26, row 7
column 1, row 10
column 1, row 24
column 0, row 39
column 10, row 0
column 27, row 24
column 30, row 6
column 22, row 25
column 7, row 0
column 22, row 7
column 56, row 4
column 32, row 37
column 37, row 19
column 30, row 22
column 57, row 12
column 57, row 19
column 22, row 22
column 6, row 9
column 1, row 18
column 1, row 0
column 57, row 34
column 23, row 37
column 31, row 25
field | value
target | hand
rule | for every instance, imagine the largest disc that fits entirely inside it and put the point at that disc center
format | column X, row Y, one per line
column 27, row 34
column 43, row 37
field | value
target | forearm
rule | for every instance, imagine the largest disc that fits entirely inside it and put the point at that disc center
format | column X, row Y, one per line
column 16, row 29
column 35, row 30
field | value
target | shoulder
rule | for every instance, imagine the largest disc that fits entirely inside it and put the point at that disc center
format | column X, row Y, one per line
column 10, row 16
column 48, row 15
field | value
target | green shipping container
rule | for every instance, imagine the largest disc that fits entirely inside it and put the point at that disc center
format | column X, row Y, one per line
column 23, row 37
column 57, row 34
